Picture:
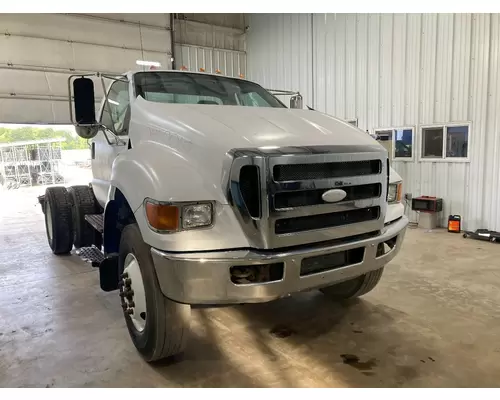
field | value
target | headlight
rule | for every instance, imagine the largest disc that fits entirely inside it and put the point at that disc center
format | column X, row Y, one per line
column 168, row 217
column 196, row 216
column 395, row 191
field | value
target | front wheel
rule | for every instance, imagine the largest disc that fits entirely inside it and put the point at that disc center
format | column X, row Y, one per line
column 157, row 325
column 354, row 287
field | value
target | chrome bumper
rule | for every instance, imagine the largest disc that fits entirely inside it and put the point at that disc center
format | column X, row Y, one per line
column 203, row 278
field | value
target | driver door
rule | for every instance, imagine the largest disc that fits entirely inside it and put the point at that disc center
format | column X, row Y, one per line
column 115, row 116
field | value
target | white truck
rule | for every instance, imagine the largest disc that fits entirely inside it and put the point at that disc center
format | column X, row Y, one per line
column 208, row 190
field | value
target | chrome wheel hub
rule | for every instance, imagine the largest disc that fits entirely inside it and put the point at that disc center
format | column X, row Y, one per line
column 132, row 293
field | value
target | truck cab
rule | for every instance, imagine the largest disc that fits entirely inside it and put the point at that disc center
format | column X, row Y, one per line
column 209, row 190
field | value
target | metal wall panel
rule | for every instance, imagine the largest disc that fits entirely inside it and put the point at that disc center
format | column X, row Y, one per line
column 39, row 51
column 393, row 70
column 281, row 44
column 492, row 157
column 230, row 63
column 233, row 20
column 205, row 35
column 153, row 20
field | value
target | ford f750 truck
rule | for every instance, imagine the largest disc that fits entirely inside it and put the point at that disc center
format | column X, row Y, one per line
column 208, row 190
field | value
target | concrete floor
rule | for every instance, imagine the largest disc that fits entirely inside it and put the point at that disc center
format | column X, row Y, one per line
column 432, row 321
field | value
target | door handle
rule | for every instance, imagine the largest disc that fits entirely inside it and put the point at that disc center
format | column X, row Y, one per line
column 92, row 151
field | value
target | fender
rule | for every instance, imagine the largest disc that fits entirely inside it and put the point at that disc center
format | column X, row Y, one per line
column 156, row 171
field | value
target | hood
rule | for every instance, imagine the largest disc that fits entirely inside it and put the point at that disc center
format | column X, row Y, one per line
column 221, row 128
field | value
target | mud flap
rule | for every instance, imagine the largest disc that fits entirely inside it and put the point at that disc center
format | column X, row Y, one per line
column 108, row 274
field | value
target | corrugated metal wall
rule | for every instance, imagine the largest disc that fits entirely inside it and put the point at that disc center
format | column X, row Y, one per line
column 212, row 42
column 393, row 70
column 279, row 52
column 205, row 35
column 229, row 62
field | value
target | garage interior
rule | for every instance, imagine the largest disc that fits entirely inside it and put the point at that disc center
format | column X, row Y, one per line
column 427, row 82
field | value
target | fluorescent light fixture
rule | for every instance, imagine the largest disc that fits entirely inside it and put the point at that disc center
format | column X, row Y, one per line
column 148, row 63
column 114, row 102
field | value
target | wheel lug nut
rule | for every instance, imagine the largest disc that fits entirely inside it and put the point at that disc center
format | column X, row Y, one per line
column 129, row 311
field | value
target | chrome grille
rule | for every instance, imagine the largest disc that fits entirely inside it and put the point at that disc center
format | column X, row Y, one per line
column 302, row 172
column 322, row 221
column 290, row 185
column 302, row 198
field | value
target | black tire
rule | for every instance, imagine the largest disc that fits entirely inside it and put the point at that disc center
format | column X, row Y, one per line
column 58, row 212
column 354, row 287
column 167, row 322
column 83, row 202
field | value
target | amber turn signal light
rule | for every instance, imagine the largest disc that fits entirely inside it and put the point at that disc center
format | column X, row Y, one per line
column 399, row 193
column 162, row 217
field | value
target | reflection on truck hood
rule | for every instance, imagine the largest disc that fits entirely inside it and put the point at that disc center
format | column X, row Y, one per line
column 226, row 127
column 194, row 131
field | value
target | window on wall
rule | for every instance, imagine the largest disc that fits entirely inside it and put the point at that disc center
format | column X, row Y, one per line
column 432, row 142
column 445, row 141
column 397, row 141
column 403, row 143
column 385, row 139
column 457, row 141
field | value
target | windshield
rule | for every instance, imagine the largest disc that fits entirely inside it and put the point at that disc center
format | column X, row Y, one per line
column 189, row 88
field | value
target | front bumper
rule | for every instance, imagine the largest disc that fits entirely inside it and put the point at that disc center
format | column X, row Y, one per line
column 204, row 278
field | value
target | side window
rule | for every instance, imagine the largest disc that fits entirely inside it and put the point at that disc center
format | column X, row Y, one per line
column 119, row 106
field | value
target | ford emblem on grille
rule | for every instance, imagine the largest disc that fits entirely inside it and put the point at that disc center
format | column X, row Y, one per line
column 333, row 195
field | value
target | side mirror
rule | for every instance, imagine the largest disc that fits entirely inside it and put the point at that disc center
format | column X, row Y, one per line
column 296, row 101
column 84, row 118
column 87, row 131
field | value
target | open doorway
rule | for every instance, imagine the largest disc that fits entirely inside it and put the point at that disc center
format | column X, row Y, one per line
column 42, row 155
column 32, row 158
